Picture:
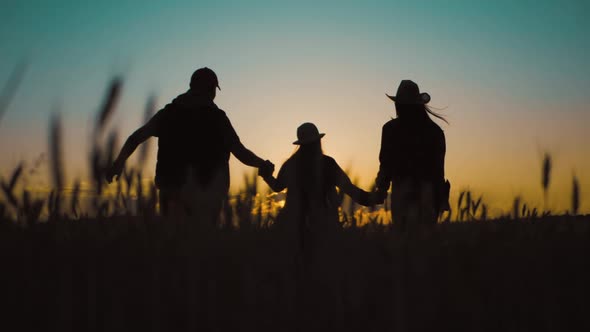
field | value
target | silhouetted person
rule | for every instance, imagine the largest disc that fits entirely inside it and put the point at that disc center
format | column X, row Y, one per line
column 195, row 139
column 311, row 179
column 412, row 157
column 309, row 222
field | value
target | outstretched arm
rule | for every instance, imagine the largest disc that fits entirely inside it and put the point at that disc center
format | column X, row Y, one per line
column 357, row 194
column 238, row 149
column 276, row 184
column 441, row 149
column 138, row 137
column 246, row 156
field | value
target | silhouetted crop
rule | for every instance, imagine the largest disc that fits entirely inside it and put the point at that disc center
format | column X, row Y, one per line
column 11, row 87
column 575, row 196
column 546, row 176
column 55, row 153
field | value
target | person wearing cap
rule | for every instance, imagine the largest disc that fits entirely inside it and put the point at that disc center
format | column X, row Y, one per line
column 195, row 139
column 412, row 158
column 311, row 178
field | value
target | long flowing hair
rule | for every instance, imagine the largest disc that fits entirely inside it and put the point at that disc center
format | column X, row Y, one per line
column 309, row 178
column 309, row 172
column 417, row 112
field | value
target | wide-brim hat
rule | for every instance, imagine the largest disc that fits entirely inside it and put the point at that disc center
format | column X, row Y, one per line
column 409, row 93
column 308, row 133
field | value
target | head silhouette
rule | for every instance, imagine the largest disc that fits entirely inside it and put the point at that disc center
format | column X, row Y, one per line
column 308, row 133
column 309, row 140
column 204, row 82
column 410, row 103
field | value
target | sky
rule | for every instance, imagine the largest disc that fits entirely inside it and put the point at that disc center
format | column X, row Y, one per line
column 511, row 77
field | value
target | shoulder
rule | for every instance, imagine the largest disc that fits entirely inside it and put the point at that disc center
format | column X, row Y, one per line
column 223, row 120
column 436, row 129
column 286, row 166
column 391, row 124
column 289, row 162
column 436, row 134
column 212, row 113
column 217, row 109
column 328, row 159
column 390, row 127
column 333, row 171
column 330, row 162
column 163, row 114
column 219, row 112
column 175, row 107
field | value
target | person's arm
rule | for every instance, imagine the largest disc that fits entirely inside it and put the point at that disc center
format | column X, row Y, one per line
column 440, row 156
column 276, row 184
column 246, row 156
column 444, row 185
column 357, row 194
column 383, row 180
column 238, row 149
column 139, row 136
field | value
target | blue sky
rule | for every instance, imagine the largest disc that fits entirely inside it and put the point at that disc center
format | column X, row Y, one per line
column 513, row 75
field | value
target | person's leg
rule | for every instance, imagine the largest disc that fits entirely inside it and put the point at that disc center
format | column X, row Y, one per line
column 170, row 202
column 163, row 200
column 205, row 202
column 402, row 206
column 427, row 204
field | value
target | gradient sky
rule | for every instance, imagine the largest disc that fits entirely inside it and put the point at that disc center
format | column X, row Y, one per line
column 512, row 76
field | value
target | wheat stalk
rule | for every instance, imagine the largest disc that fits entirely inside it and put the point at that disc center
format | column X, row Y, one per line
column 11, row 87
column 575, row 196
column 55, row 152
column 546, row 176
column 110, row 102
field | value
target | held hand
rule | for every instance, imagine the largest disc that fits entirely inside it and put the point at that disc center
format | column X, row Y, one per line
column 111, row 172
column 377, row 197
column 266, row 169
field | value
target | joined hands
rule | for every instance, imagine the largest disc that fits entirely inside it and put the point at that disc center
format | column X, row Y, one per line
column 266, row 169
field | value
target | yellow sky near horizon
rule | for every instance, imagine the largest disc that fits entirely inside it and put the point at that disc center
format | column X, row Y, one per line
column 496, row 154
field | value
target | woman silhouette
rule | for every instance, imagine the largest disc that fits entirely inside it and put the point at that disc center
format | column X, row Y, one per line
column 311, row 205
column 412, row 157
